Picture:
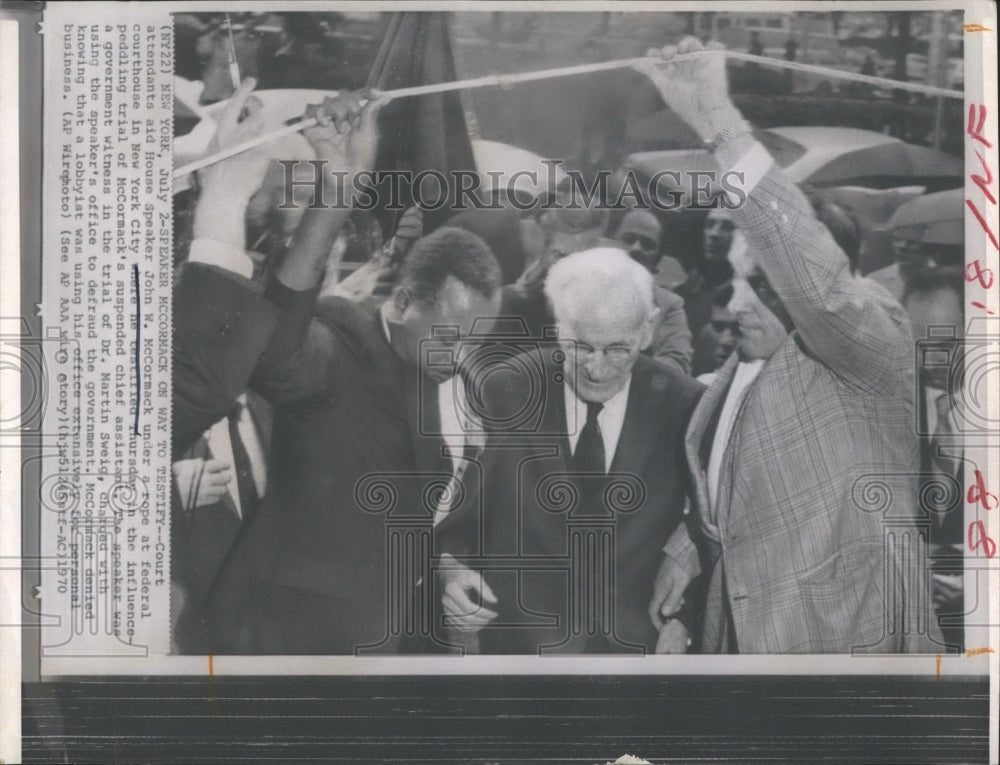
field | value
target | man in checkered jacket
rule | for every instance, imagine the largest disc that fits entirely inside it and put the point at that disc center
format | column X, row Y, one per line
column 803, row 450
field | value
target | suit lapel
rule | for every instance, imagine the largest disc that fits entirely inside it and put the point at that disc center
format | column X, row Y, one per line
column 639, row 431
column 263, row 419
column 553, row 418
column 702, row 430
column 424, row 422
column 769, row 386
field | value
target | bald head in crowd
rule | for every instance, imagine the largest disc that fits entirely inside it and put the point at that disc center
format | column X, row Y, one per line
column 604, row 309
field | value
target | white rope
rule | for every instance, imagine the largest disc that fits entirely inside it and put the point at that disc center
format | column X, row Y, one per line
column 507, row 80
column 914, row 87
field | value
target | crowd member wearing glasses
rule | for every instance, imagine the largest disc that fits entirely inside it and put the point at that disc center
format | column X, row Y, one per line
column 593, row 454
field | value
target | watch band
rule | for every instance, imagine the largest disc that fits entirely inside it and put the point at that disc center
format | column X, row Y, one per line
column 729, row 133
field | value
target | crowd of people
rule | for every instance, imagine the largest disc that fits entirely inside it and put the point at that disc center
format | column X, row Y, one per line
column 525, row 433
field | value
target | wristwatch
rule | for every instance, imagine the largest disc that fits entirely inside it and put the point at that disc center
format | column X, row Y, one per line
column 729, row 133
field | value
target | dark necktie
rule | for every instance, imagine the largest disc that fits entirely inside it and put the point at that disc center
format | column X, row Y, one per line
column 589, row 456
column 244, row 474
column 589, row 459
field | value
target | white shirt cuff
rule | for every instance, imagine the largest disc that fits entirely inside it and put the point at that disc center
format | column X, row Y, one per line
column 753, row 165
column 212, row 253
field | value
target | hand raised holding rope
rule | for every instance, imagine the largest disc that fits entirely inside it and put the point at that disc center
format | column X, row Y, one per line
column 693, row 86
column 230, row 184
column 346, row 129
column 701, row 96
column 243, row 174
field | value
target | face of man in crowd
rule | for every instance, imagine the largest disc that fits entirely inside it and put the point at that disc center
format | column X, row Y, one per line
column 570, row 230
column 455, row 311
column 601, row 346
column 640, row 234
column 724, row 329
column 756, row 307
column 911, row 255
column 718, row 234
column 943, row 309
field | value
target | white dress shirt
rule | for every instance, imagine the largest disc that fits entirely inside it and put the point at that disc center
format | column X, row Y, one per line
column 931, row 396
column 611, row 419
column 459, row 426
column 222, row 449
column 221, row 255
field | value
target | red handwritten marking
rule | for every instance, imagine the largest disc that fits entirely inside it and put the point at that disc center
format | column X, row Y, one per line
column 211, row 684
column 982, row 539
column 978, row 651
column 984, row 183
column 975, row 28
column 977, row 304
column 975, row 128
column 978, row 493
column 968, row 654
column 983, row 223
column 983, row 275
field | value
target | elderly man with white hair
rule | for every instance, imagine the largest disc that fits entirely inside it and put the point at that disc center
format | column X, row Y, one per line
column 582, row 480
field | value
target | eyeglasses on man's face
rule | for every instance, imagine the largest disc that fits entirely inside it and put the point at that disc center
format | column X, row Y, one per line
column 616, row 353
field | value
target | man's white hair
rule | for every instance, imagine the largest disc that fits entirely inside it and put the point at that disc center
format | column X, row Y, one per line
column 598, row 279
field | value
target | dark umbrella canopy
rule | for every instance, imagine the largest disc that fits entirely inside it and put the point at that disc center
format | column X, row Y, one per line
column 424, row 132
column 932, row 219
column 819, row 156
column 897, row 160
column 849, row 156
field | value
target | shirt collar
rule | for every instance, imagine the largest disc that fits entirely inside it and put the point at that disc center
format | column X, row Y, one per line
column 614, row 404
column 385, row 323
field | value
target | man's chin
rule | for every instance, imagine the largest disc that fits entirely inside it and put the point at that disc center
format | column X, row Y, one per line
column 715, row 252
column 752, row 352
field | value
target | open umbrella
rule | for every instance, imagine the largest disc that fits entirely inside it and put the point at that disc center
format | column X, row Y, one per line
column 419, row 134
column 503, row 166
column 821, row 156
column 932, row 219
column 826, row 156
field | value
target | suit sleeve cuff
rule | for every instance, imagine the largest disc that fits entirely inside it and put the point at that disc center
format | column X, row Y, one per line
column 683, row 551
column 297, row 309
column 752, row 165
column 221, row 255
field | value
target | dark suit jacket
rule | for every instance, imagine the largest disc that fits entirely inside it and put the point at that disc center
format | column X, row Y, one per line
column 222, row 323
column 525, row 507
column 202, row 538
column 206, row 534
column 312, row 573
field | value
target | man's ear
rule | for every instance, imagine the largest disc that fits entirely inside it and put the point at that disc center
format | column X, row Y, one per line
column 401, row 300
column 648, row 328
